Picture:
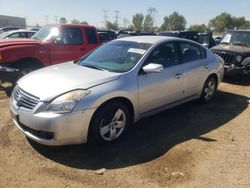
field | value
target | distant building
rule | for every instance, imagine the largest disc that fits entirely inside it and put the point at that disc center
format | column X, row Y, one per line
column 12, row 21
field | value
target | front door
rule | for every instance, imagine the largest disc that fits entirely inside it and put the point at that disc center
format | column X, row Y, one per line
column 69, row 47
column 159, row 89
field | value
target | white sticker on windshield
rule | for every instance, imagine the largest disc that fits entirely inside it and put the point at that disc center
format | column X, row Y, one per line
column 226, row 38
column 137, row 50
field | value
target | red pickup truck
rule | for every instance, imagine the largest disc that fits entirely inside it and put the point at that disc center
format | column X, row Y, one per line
column 50, row 45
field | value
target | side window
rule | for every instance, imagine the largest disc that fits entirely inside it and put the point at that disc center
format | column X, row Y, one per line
column 191, row 52
column 71, row 36
column 30, row 35
column 165, row 54
column 91, row 36
column 14, row 35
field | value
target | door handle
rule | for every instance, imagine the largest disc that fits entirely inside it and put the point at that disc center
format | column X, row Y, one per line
column 177, row 76
column 206, row 66
column 82, row 49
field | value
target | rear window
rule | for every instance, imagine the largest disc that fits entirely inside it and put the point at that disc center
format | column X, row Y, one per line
column 91, row 36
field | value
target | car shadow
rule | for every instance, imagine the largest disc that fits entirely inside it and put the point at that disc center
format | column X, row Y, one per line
column 152, row 137
column 237, row 79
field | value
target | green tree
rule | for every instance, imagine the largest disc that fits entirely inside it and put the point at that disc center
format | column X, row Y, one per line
column 137, row 21
column 201, row 27
column 148, row 24
column 85, row 23
column 110, row 25
column 63, row 20
column 75, row 21
column 222, row 22
column 174, row 22
column 241, row 23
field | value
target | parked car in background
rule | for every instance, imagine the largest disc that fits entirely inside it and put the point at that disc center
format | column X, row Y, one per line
column 123, row 34
column 234, row 48
column 99, row 96
column 52, row 44
column 9, row 28
column 21, row 33
column 204, row 38
column 106, row 35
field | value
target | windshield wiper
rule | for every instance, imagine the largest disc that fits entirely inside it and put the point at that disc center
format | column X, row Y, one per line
column 93, row 67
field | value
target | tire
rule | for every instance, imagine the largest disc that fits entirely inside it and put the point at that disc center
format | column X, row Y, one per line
column 25, row 67
column 109, row 123
column 209, row 89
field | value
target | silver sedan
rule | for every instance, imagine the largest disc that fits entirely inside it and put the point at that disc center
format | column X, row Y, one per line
column 100, row 95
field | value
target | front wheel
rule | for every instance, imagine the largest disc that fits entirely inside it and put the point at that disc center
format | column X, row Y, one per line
column 208, row 89
column 110, row 123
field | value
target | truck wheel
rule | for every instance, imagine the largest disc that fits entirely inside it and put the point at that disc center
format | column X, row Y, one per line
column 25, row 68
column 109, row 123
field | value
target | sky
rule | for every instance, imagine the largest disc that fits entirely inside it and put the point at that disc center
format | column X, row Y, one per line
column 195, row 11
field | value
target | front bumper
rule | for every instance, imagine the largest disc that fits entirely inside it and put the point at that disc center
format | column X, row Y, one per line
column 8, row 74
column 53, row 129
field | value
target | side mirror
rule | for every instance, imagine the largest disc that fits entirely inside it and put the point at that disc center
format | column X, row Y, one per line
column 59, row 40
column 153, row 68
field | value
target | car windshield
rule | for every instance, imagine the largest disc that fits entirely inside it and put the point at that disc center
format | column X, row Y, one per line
column 46, row 33
column 236, row 38
column 116, row 56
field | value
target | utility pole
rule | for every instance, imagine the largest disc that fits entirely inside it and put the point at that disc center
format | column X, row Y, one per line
column 117, row 17
column 105, row 16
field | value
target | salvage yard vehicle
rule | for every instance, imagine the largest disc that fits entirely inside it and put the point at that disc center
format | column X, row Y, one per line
column 52, row 44
column 204, row 38
column 20, row 33
column 234, row 48
column 100, row 95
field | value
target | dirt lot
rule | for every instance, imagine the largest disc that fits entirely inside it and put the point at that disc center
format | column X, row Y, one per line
column 192, row 145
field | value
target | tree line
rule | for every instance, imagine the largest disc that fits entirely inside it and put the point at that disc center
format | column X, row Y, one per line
column 175, row 22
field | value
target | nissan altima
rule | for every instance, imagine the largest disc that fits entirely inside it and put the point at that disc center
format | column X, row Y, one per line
column 100, row 95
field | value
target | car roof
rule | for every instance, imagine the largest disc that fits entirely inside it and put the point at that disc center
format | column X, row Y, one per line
column 150, row 39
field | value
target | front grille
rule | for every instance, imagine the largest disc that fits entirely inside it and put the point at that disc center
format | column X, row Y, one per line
column 24, row 99
column 228, row 57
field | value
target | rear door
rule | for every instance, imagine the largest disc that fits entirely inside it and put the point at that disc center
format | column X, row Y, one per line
column 193, row 59
column 69, row 47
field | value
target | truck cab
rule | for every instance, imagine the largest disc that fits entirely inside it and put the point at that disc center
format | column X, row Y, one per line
column 52, row 44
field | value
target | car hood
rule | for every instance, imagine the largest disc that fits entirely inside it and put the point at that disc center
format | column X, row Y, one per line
column 232, row 48
column 12, row 42
column 52, row 81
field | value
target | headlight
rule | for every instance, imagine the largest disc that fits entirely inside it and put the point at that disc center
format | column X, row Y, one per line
column 238, row 58
column 67, row 102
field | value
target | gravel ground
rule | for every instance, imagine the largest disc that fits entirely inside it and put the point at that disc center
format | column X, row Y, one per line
column 192, row 145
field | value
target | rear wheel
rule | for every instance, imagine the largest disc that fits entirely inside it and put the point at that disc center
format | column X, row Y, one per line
column 110, row 123
column 208, row 89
